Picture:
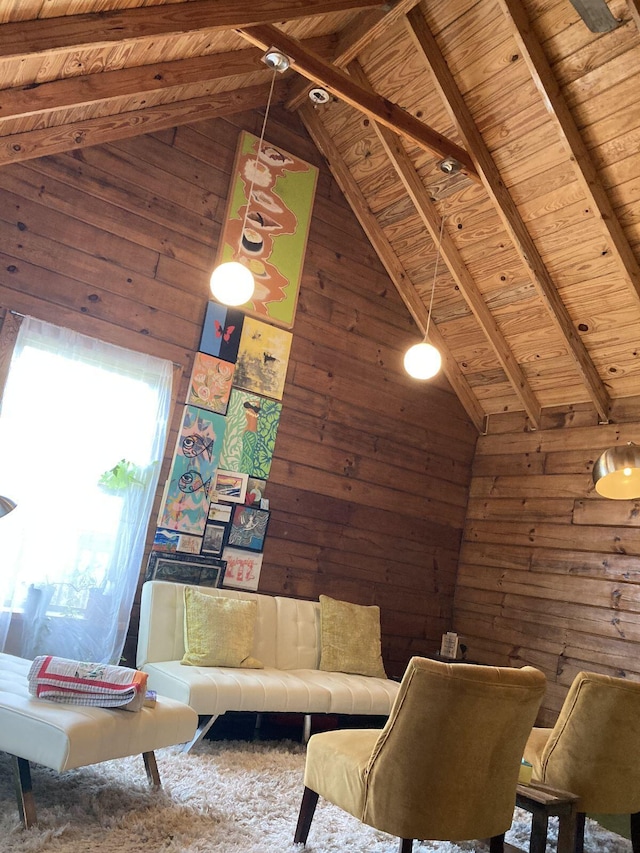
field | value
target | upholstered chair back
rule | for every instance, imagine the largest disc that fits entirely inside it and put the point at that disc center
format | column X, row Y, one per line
column 446, row 764
column 593, row 748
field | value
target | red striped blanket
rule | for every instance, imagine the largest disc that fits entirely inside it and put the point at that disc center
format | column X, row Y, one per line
column 81, row 683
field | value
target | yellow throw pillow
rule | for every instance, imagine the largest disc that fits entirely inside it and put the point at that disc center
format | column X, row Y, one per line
column 350, row 638
column 218, row 631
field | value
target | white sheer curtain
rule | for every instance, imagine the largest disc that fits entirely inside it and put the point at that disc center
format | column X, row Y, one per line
column 74, row 410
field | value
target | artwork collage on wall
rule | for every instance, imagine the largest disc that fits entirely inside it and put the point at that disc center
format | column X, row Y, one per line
column 214, row 514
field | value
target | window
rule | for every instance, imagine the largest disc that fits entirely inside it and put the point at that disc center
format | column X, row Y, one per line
column 82, row 433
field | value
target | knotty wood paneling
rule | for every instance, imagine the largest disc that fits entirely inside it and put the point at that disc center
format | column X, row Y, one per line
column 370, row 478
column 549, row 572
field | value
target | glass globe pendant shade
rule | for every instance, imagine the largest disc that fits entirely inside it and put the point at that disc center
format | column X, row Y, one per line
column 422, row 361
column 232, row 283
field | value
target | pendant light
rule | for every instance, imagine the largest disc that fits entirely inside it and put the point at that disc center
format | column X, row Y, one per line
column 616, row 473
column 232, row 282
column 423, row 360
column 6, row 505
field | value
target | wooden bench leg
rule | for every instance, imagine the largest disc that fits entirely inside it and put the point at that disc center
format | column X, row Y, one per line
column 151, row 767
column 24, row 792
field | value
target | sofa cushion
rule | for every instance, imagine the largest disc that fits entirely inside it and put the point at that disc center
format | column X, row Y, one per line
column 218, row 631
column 350, row 638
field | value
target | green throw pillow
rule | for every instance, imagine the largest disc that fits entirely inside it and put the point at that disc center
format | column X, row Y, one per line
column 350, row 638
column 218, row 631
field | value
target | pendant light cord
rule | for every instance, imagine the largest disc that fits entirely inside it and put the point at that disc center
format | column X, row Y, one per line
column 435, row 273
column 255, row 162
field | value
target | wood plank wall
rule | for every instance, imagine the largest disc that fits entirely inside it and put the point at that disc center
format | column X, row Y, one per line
column 550, row 572
column 370, row 477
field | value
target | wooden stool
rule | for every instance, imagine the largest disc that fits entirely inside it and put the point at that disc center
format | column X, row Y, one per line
column 544, row 802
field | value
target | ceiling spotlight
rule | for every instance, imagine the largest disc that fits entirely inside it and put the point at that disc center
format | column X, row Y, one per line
column 449, row 166
column 319, row 96
column 276, row 60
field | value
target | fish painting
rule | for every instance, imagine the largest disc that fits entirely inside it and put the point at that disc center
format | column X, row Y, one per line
column 194, row 445
column 191, row 482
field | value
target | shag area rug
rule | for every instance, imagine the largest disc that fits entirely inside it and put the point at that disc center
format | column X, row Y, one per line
column 224, row 797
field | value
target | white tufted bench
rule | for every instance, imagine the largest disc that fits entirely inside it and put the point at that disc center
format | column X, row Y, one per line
column 63, row 737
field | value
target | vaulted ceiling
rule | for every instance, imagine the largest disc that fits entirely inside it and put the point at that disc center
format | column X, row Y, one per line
column 536, row 288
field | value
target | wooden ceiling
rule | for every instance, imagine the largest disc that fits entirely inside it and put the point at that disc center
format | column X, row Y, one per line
column 537, row 286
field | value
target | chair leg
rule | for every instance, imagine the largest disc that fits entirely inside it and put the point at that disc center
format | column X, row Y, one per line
column 307, row 810
column 581, row 818
column 496, row 843
column 406, row 845
column 151, row 768
column 635, row 832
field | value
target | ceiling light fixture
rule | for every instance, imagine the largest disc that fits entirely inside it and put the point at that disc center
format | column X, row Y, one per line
column 6, row 505
column 232, row 282
column 616, row 473
column 423, row 360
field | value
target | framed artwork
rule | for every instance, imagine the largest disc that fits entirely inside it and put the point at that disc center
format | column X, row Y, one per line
column 210, row 384
column 221, row 331
column 255, row 491
column 185, row 503
column 274, row 240
column 250, row 436
column 242, row 569
column 185, row 568
column 189, row 544
column 213, row 539
column 263, row 356
column 248, row 528
column 165, row 540
column 219, row 512
column 230, row 486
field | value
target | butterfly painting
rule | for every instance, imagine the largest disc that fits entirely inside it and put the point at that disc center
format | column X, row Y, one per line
column 221, row 332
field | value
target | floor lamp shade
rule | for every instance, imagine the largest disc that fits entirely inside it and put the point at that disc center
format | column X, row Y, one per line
column 6, row 505
column 616, row 473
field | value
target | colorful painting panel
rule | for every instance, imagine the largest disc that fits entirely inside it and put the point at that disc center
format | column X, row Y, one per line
column 221, row 331
column 250, row 437
column 186, row 499
column 249, row 528
column 263, row 357
column 272, row 242
column 242, row 569
column 210, row 385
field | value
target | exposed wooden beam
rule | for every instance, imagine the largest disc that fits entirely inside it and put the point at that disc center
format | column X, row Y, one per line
column 54, row 140
column 506, row 207
column 387, row 256
column 311, row 66
column 634, row 10
column 131, row 83
column 586, row 172
column 361, row 32
column 69, row 33
column 427, row 212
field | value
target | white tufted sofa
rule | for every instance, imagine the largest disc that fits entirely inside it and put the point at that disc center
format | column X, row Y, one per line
column 287, row 641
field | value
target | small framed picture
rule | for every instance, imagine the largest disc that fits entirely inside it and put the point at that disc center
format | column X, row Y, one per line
column 185, row 568
column 220, row 512
column 213, row 539
column 242, row 569
column 230, row 486
column 248, row 528
column 255, row 491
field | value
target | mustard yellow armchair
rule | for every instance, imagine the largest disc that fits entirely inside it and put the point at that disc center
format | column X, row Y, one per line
column 593, row 749
column 446, row 764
